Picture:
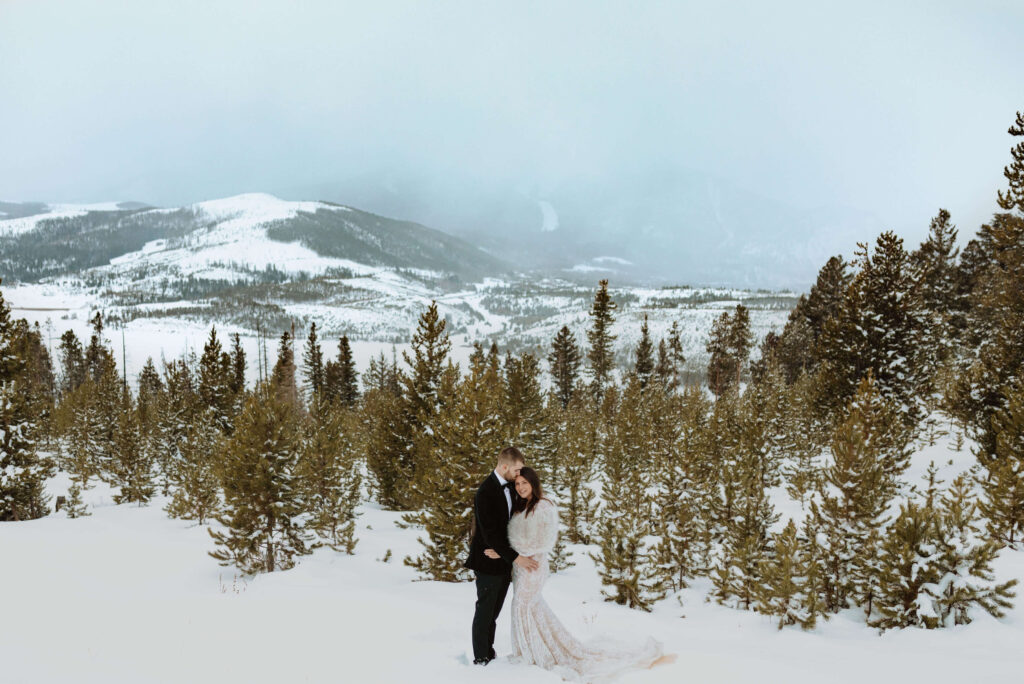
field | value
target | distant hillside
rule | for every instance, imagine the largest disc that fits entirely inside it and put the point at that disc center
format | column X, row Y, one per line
column 237, row 234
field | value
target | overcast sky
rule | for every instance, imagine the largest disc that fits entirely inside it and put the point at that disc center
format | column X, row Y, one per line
column 892, row 107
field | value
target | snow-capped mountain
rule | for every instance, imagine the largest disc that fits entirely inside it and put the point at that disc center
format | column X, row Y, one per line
column 257, row 265
column 226, row 238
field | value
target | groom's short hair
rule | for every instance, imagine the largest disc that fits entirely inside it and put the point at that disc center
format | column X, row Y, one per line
column 511, row 455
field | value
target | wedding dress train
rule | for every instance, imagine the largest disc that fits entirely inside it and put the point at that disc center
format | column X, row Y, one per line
column 538, row 637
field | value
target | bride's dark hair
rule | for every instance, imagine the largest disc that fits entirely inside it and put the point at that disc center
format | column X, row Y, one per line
column 522, row 504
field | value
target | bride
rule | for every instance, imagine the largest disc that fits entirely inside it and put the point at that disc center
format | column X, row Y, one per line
column 538, row 637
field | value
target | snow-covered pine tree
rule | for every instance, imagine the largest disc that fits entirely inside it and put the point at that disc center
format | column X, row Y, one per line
column 719, row 372
column 965, row 561
column 526, row 421
column 855, row 495
column 996, row 316
column 179, row 404
column 72, row 363
column 313, row 363
column 682, row 492
column 627, row 562
column 329, row 473
column 214, row 382
column 600, row 337
column 192, row 467
column 784, row 591
column 262, row 518
column 564, row 360
column 131, row 468
column 675, row 355
column 421, row 402
column 282, row 379
column 643, row 366
column 150, row 397
column 908, row 571
column 578, row 452
column 84, row 436
column 469, row 437
column 746, row 512
column 341, row 380
column 728, row 349
column 1003, row 487
column 238, row 365
column 934, row 272
column 797, row 349
column 36, row 378
column 803, row 439
column 22, row 471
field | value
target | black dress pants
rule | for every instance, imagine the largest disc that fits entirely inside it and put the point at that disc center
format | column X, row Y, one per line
column 490, row 595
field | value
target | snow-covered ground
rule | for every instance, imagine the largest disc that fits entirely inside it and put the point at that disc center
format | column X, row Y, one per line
column 130, row 595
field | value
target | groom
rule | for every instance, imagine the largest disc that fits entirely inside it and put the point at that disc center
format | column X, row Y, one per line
column 492, row 508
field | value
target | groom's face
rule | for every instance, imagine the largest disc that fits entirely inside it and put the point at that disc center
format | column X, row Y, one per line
column 510, row 471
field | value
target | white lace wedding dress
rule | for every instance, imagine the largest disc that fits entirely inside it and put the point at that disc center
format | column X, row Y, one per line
column 538, row 637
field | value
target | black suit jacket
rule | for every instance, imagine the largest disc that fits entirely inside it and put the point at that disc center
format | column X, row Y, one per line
column 490, row 530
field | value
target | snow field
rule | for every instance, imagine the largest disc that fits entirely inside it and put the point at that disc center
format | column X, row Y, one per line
column 130, row 595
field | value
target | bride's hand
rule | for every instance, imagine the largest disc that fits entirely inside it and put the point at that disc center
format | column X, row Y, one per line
column 491, row 553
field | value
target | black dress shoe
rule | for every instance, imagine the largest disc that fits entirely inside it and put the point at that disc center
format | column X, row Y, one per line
column 482, row 661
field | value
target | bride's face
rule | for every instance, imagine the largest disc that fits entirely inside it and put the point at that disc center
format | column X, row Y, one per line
column 523, row 487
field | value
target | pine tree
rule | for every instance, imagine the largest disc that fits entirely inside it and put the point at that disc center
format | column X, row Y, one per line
column 719, row 371
column 785, row 591
column 675, row 355
column 313, row 361
column 627, row 561
column 748, row 514
column 1013, row 199
column 179, row 409
column 856, row 492
column 798, row 349
column 282, row 379
column 421, row 402
column 238, row 365
column 85, row 434
column 263, row 521
column 803, row 439
column 578, row 450
column 23, row 472
column 878, row 330
column 682, row 492
column 342, row 379
column 601, row 338
column 644, row 366
column 329, row 474
column 36, row 378
column 728, row 348
column 131, row 468
column 564, row 359
column 525, row 420
column 1003, row 503
column 386, row 445
column 215, row 379
column 468, row 431
column 192, row 472
column 74, row 506
column 934, row 273
column 150, row 396
column 72, row 363
column 908, row 571
column 965, row 561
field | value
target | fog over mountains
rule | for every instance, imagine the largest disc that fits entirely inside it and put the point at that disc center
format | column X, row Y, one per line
column 671, row 226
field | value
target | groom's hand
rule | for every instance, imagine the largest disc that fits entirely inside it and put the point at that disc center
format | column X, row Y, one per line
column 491, row 553
column 526, row 563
